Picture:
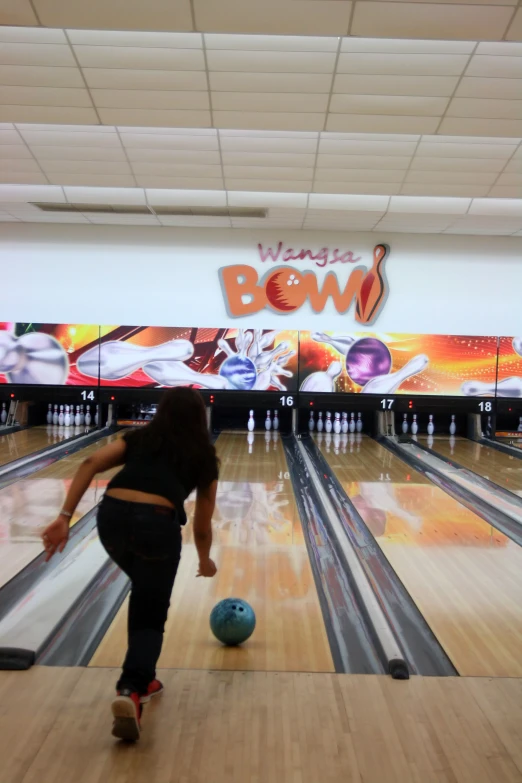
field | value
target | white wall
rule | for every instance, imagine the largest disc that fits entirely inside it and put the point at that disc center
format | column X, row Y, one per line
column 169, row 277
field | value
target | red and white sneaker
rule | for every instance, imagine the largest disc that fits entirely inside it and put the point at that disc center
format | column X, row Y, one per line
column 126, row 709
column 154, row 689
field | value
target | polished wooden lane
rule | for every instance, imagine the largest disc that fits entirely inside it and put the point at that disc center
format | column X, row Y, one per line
column 465, row 576
column 29, row 504
column 503, row 469
column 263, row 727
column 262, row 557
column 19, row 444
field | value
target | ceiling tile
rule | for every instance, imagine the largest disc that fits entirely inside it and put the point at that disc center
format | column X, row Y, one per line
column 102, row 180
column 49, row 152
column 17, row 12
column 53, row 114
column 258, row 144
column 457, row 164
column 271, row 43
column 44, row 96
column 274, row 17
column 403, row 64
column 155, row 117
column 269, row 120
column 388, row 105
column 149, row 99
column 132, row 38
column 500, row 48
column 114, row 15
column 33, row 54
column 192, row 221
column 21, row 177
column 40, row 76
column 267, row 159
column 179, row 183
column 59, row 139
column 452, row 177
column 477, row 87
column 200, row 157
column 485, row 108
column 505, row 191
column 137, row 58
column 492, row 206
column 430, row 20
column 176, row 170
column 270, row 62
column 223, row 81
column 169, row 141
column 371, row 122
column 490, row 66
column 405, row 46
column 330, row 146
column 362, row 84
column 465, row 150
column 285, row 186
column 358, row 175
column 11, row 151
column 269, row 102
column 414, row 223
column 10, row 137
column 192, row 198
column 85, row 166
column 377, row 188
column 80, row 195
column 127, row 79
column 36, row 35
column 510, row 178
column 362, row 162
column 513, row 166
column 481, row 127
column 515, row 29
column 268, row 172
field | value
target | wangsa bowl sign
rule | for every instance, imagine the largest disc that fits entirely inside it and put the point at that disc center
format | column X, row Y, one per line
column 285, row 288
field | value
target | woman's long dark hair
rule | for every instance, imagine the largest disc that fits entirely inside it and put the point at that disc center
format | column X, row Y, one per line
column 179, row 432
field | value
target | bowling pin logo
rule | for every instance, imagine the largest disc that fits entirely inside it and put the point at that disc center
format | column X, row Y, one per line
column 374, row 289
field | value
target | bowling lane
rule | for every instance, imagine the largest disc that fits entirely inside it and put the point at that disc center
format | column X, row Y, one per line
column 19, row 444
column 463, row 574
column 31, row 503
column 261, row 556
column 503, row 469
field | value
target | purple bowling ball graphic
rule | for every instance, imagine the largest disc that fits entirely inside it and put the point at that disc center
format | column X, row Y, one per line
column 367, row 358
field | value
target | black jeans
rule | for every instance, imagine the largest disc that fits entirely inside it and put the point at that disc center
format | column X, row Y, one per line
column 145, row 541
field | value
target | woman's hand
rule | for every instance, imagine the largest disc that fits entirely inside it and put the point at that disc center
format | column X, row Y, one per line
column 207, row 568
column 55, row 536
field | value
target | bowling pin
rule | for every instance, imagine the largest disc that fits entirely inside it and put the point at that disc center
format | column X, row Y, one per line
column 320, row 422
column 328, row 425
column 50, row 414
column 431, row 426
column 337, row 426
column 97, row 415
column 3, row 415
column 268, row 421
column 508, row 387
column 389, row 383
column 55, row 415
column 322, row 381
column 352, row 422
column 341, row 343
column 61, row 417
column 250, row 440
column 519, row 425
column 82, row 416
column 251, row 425
column 67, row 417
column 275, row 423
column 405, row 423
column 311, row 422
column 414, row 425
column 453, row 426
column 88, row 416
column 359, row 423
column 77, row 418
column 344, row 423
column 517, row 345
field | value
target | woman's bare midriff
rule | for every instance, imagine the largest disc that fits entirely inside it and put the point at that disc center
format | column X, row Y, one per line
column 133, row 496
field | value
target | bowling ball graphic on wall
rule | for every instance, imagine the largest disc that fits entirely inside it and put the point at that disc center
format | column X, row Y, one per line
column 366, row 359
column 284, row 290
column 240, row 372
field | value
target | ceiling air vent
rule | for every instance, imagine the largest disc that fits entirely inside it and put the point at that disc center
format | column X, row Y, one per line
column 132, row 209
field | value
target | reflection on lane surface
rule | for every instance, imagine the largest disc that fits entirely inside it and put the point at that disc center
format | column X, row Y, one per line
column 463, row 574
column 261, row 556
column 28, row 505
column 503, row 469
column 24, row 442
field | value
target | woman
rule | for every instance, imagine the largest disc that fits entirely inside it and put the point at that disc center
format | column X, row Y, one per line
column 139, row 522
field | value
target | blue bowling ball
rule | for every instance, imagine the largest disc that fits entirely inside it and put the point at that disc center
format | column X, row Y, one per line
column 232, row 621
column 240, row 372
